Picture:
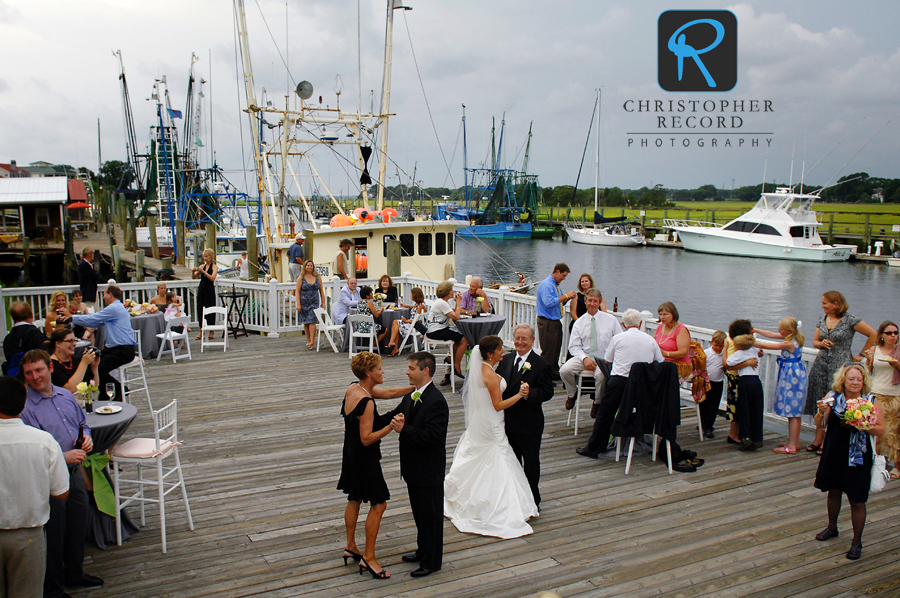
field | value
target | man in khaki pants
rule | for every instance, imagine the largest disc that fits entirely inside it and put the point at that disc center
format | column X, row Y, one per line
column 32, row 470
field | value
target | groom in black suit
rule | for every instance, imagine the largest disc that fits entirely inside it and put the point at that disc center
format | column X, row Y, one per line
column 525, row 419
column 421, row 421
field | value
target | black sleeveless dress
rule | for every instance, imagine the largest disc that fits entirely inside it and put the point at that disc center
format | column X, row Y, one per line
column 206, row 295
column 834, row 472
column 361, row 476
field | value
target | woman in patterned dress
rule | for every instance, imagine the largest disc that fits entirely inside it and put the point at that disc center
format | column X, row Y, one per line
column 790, row 390
column 308, row 293
column 834, row 335
column 367, row 307
column 883, row 361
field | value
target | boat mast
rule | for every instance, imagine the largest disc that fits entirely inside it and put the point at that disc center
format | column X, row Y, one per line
column 465, row 163
column 252, row 110
column 392, row 5
column 597, row 160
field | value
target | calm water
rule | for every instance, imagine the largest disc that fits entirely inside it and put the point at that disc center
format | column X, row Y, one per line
column 708, row 290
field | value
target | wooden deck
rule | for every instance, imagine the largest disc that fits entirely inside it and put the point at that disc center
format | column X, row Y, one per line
column 262, row 446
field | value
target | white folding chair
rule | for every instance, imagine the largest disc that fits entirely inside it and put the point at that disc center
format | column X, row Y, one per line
column 412, row 333
column 631, row 450
column 431, row 345
column 40, row 323
column 217, row 326
column 170, row 336
column 147, row 452
column 354, row 322
column 132, row 375
column 582, row 377
column 326, row 326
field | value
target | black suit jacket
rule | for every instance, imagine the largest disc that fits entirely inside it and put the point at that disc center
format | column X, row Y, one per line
column 651, row 399
column 87, row 280
column 423, row 440
column 527, row 415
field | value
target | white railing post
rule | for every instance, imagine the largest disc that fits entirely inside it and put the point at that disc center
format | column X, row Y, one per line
column 3, row 328
column 274, row 311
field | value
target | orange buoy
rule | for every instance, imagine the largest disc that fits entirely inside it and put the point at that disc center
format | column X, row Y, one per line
column 339, row 220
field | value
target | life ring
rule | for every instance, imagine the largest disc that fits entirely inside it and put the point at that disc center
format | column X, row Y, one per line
column 516, row 218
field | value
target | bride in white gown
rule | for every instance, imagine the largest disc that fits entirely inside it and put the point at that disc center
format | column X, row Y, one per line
column 486, row 491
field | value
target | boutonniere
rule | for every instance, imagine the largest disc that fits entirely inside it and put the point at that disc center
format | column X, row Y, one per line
column 417, row 397
column 526, row 366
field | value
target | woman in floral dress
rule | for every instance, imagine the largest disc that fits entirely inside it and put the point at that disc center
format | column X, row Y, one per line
column 834, row 335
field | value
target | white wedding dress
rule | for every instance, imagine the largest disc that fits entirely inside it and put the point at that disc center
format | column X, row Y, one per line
column 486, row 491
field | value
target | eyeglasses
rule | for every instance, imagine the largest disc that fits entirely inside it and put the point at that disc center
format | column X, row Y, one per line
column 70, row 340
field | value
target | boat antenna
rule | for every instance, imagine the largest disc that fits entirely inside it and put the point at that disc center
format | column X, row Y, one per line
column 837, row 144
column 597, row 161
column 859, row 150
column 584, row 152
column 803, row 170
column 791, row 179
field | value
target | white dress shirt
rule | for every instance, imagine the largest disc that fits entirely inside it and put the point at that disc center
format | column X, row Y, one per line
column 714, row 366
column 606, row 326
column 630, row 347
column 519, row 360
column 743, row 355
column 32, row 468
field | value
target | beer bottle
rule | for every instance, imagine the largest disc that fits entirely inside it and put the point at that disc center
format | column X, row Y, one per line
column 79, row 442
column 616, row 305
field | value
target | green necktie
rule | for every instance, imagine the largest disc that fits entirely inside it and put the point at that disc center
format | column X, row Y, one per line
column 593, row 335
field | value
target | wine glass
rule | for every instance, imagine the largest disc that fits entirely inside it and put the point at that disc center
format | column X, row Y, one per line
column 111, row 391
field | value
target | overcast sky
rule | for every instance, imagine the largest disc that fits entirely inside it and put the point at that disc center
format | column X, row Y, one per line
column 824, row 65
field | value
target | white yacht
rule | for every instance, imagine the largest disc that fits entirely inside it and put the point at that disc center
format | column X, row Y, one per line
column 782, row 225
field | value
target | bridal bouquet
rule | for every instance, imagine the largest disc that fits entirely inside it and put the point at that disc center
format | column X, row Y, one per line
column 860, row 414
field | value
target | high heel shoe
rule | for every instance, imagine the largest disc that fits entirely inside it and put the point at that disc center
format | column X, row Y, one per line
column 353, row 555
column 364, row 566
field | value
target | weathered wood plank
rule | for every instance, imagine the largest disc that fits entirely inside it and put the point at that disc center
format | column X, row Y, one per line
column 262, row 445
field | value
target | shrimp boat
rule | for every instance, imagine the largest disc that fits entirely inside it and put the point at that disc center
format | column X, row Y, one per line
column 610, row 232
column 291, row 142
column 782, row 225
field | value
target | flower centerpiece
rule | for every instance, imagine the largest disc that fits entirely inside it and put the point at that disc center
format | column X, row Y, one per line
column 379, row 299
column 860, row 414
column 83, row 390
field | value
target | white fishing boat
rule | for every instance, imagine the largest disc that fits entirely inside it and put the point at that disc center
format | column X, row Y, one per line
column 782, row 225
column 611, row 232
column 304, row 133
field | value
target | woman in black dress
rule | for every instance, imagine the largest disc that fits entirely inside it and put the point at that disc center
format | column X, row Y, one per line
column 846, row 463
column 387, row 288
column 206, row 292
column 361, row 477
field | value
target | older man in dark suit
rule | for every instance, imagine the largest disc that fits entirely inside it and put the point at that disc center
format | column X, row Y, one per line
column 525, row 419
column 421, row 421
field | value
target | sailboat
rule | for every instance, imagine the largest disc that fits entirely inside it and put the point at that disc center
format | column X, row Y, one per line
column 613, row 232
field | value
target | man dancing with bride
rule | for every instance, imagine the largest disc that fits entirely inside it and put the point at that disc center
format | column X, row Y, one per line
column 486, row 491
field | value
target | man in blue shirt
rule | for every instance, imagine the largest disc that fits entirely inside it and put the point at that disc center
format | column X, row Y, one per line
column 54, row 410
column 295, row 255
column 120, row 346
column 550, row 308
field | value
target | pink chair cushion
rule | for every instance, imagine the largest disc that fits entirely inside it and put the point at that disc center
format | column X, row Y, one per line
column 140, row 448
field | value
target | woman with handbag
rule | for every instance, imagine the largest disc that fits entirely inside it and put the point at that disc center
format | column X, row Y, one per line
column 847, row 452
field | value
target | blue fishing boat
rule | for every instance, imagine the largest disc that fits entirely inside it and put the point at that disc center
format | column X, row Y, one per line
column 491, row 205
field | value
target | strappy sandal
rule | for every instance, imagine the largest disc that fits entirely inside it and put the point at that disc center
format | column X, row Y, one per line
column 827, row 534
column 855, row 551
column 814, row 448
column 895, row 474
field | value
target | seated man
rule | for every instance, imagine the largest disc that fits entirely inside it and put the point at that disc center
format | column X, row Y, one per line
column 625, row 349
column 347, row 298
column 470, row 301
column 55, row 410
column 588, row 341
column 120, row 346
column 32, row 471
column 23, row 337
